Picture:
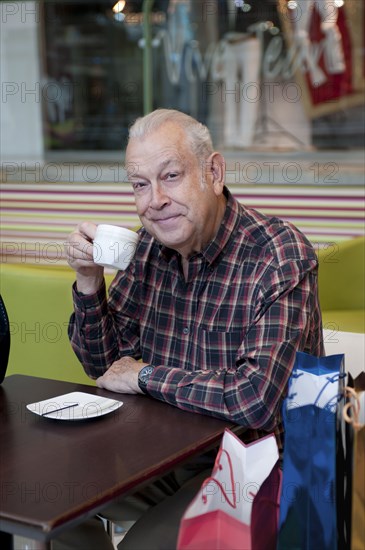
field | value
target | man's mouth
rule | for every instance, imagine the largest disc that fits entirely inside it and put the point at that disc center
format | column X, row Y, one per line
column 166, row 220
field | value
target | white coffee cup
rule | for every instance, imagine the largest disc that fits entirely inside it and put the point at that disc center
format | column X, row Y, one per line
column 114, row 246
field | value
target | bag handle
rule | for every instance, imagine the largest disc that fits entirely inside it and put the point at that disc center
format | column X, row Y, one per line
column 329, row 380
column 232, row 503
column 355, row 405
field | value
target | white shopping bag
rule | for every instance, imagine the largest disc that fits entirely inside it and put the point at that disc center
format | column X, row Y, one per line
column 220, row 516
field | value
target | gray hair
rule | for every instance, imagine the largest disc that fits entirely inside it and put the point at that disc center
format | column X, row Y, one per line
column 197, row 133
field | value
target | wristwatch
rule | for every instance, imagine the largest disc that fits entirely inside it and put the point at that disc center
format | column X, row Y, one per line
column 143, row 377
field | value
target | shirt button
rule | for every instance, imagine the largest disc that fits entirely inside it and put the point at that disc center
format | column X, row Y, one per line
column 186, row 330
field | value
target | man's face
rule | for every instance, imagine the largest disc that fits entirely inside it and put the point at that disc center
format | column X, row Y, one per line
column 178, row 197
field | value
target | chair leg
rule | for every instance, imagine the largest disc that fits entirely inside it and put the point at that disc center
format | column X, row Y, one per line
column 109, row 528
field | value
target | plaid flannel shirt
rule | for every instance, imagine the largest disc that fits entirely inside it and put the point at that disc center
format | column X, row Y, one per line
column 224, row 339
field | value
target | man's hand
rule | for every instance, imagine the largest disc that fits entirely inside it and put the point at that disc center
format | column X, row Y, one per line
column 122, row 376
column 79, row 254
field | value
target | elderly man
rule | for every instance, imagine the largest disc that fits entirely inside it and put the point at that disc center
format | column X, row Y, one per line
column 212, row 309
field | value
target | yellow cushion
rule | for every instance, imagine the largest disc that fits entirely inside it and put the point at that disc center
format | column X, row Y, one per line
column 342, row 275
column 344, row 320
column 341, row 285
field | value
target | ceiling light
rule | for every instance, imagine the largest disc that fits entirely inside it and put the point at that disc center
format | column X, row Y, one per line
column 119, row 6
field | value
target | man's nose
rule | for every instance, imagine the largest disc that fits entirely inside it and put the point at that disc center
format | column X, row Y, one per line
column 159, row 198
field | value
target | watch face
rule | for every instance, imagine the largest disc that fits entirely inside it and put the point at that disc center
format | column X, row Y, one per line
column 144, row 375
column 146, row 372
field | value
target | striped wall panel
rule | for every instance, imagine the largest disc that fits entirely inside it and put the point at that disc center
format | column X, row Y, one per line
column 36, row 219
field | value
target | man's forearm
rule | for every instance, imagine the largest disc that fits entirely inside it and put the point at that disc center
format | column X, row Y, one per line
column 89, row 285
column 92, row 336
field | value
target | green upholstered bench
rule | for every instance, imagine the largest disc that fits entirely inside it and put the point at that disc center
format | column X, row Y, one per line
column 341, row 285
column 39, row 304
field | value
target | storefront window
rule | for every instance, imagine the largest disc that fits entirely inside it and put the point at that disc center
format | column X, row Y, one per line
column 93, row 77
column 260, row 74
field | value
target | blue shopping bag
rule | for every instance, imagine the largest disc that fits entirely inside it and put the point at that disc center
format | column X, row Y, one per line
column 308, row 511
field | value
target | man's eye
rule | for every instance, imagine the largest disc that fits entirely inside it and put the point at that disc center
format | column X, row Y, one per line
column 172, row 175
column 139, row 184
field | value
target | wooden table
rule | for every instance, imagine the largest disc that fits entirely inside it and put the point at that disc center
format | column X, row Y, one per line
column 54, row 474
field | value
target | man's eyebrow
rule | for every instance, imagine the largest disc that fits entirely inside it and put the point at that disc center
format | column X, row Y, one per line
column 132, row 168
column 169, row 161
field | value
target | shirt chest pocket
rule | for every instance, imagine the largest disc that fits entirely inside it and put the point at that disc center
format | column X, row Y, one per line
column 217, row 350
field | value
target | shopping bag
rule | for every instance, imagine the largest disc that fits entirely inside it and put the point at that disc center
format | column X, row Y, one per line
column 344, row 473
column 244, row 485
column 308, row 512
column 354, row 414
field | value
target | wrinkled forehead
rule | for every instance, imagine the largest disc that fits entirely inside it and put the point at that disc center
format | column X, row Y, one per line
column 147, row 160
column 167, row 134
column 164, row 146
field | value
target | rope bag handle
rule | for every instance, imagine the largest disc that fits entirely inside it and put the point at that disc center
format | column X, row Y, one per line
column 354, row 406
column 233, row 502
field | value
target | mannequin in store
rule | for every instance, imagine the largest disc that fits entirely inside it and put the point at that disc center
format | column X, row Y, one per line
column 240, row 74
column 179, row 36
column 242, row 58
column 252, row 115
column 334, row 59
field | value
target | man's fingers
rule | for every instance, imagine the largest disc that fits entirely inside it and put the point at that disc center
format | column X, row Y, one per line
column 79, row 245
column 79, row 248
column 100, row 382
column 87, row 230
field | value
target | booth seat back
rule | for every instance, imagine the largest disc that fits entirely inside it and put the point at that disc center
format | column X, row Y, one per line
column 341, row 285
column 39, row 304
column 38, row 300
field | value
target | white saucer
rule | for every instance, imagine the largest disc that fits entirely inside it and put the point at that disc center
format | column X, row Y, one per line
column 74, row 406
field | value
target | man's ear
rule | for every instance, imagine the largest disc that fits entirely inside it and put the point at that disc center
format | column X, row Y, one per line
column 217, row 171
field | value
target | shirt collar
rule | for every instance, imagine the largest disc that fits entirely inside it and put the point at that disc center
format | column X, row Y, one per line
column 216, row 246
